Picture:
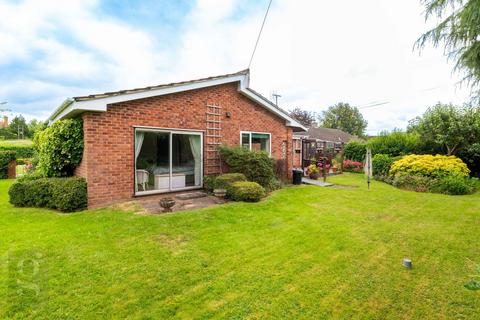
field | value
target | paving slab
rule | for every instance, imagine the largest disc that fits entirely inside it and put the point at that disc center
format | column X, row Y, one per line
column 319, row 183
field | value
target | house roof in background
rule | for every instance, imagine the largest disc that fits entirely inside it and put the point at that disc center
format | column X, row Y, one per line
column 98, row 102
column 325, row 134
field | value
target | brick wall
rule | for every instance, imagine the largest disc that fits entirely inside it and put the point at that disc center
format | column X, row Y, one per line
column 108, row 160
column 297, row 157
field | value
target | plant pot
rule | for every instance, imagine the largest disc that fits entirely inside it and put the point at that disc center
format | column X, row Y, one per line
column 167, row 204
column 314, row 176
column 220, row 193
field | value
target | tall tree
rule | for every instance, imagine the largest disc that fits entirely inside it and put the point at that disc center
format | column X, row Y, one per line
column 448, row 127
column 307, row 118
column 35, row 126
column 344, row 117
column 459, row 31
column 19, row 126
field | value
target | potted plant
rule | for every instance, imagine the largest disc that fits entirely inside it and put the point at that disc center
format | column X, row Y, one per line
column 313, row 172
column 220, row 193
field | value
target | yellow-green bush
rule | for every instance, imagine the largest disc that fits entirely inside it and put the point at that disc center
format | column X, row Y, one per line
column 429, row 166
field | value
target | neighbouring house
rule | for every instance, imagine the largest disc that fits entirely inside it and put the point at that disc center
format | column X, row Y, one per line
column 317, row 142
column 164, row 138
column 4, row 122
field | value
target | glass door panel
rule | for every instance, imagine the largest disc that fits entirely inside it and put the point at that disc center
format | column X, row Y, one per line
column 186, row 160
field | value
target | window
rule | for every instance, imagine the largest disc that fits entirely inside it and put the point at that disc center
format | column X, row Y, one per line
column 167, row 160
column 259, row 141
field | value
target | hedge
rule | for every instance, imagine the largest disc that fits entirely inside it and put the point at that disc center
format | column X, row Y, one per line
column 64, row 194
column 246, row 191
column 22, row 151
column 381, row 164
column 5, row 158
column 355, row 151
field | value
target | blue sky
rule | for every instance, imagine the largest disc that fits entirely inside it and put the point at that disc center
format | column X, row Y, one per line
column 314, row 53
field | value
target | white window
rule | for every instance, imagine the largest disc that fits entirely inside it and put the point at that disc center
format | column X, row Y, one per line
column 259, row 141
column 167, row 160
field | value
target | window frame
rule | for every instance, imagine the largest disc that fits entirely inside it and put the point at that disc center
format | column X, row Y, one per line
column 250, row 140
column 171, row 132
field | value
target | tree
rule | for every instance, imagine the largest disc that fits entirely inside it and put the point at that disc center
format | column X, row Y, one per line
column 447, row 127
column 307, row 118
column 344, row 117
column 35, row 126
column 19, row 126
column 459, row 31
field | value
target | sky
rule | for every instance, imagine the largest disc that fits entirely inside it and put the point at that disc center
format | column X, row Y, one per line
column 314, row 53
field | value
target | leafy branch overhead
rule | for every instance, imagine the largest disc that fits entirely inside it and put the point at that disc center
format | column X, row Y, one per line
column 459, row 32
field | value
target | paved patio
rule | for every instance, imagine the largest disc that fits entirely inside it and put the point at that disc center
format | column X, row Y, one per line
column 319, row 183
column 183, row 201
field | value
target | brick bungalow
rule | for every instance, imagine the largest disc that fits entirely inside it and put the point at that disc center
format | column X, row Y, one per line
column 159, row 139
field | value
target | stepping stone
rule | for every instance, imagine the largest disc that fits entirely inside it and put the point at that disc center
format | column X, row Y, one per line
column 191, row 195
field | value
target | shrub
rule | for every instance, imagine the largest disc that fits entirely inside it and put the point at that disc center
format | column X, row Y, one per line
column 257, row 166
column 355, row 151
column 5, row 158
column 209, row 182
column 471, row 156
column 429, row 166
column 22, row 151
column 396, row 143
column 381, row 164
column 64, row 194
column 224, row 181
column 60, row 147
column 352, row 166
column 413, row 183
column 246, row 191
column 454, row 185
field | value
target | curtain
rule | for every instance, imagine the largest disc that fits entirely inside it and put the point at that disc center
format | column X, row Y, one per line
column 197, row 156
column 138, row 143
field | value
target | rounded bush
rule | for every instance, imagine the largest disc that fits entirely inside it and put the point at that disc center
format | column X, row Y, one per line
column 246, row 191
column 381, row 164
column 429, row 166
column 454, row 185
column 224, row 181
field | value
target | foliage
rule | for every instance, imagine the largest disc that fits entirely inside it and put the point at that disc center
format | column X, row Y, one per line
column 381, row 164
column 429, row 166
column 22, row 151
column 313, row 169
column 35, row 126
column 355, row 151
column 257, row 166
column 247, row 191
column 247, row 253
column 224, row 181
column 18, row 125
column 5, row 158
column 209, row 182
column 5, row 133
column 447, row 127
column 413, row 183
column 395, row 143
column 344, row 117
column 307, row 118
column 352, row 166
column 458, row 31
column 454, row 185
column 60, row 147
column 64, row 194
column 471, row 156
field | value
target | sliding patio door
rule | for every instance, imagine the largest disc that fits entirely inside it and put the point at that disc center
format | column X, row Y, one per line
column 167, row 160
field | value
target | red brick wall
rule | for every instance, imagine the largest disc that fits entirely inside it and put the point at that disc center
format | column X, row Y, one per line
column 108, row 160
column 297, row 157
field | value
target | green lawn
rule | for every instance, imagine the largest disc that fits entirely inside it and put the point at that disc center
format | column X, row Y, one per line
column 305, row 252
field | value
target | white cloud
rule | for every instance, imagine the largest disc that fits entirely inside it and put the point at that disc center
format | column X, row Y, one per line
column 314, row 53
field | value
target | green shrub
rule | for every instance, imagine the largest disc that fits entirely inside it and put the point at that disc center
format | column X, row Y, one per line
column 22, row 161
column 21, row 150
column 454, row 185
column 64, row 194
column 209, row 183
column 60, row 148
column 355, row 151
column 413, row 183
column 246, row 191
column 429, row 166
column 257, row 166
column 396, row 143
column 5, row 158
column 224, row 181
column 381, row 164
column 471, row 156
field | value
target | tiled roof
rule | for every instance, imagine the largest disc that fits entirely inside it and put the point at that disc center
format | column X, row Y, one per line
column 326, row 134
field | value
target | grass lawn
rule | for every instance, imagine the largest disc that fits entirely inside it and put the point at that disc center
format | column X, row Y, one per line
column 305, row 252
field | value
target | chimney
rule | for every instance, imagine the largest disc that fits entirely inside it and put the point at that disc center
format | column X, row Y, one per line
column 5, row 122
